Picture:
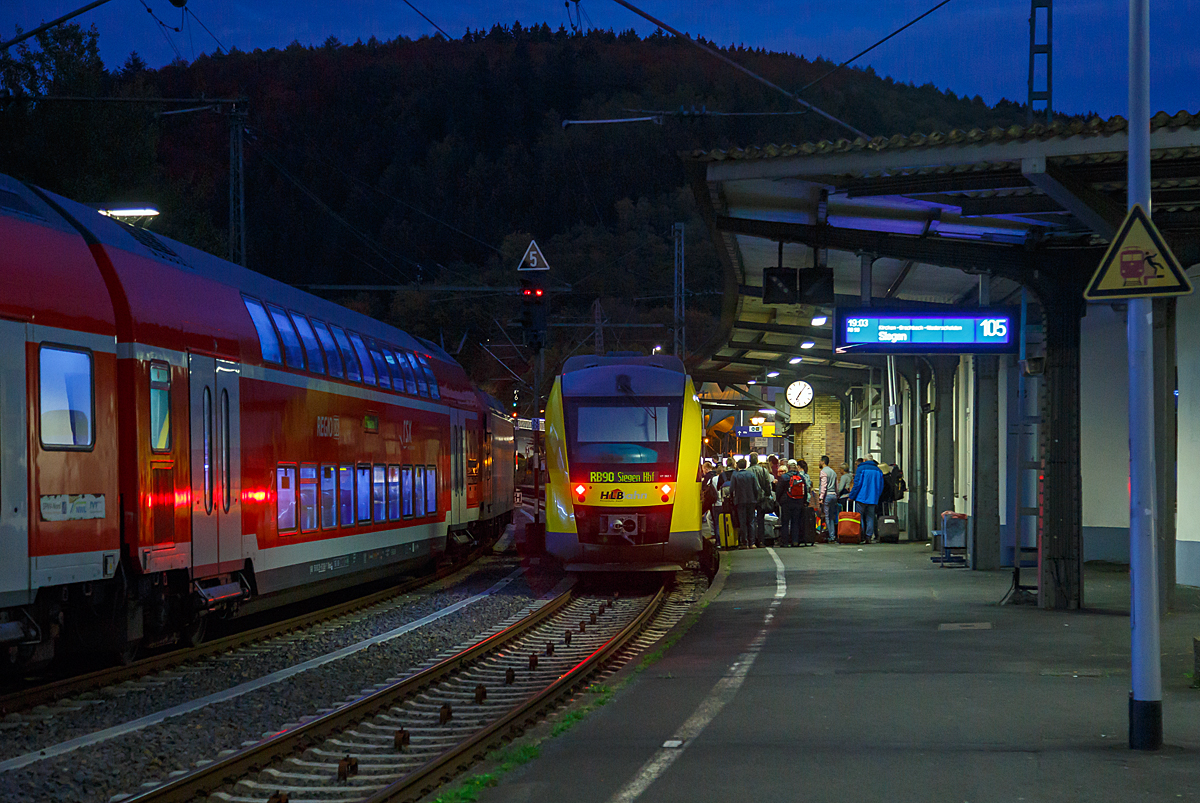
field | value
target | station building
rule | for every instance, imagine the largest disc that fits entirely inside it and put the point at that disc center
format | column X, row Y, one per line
column 1033, row 445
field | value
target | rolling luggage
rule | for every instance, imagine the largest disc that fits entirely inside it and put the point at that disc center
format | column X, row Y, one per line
column 808, row 527
column 726, row 531
column 849, row 528
column 889, row 529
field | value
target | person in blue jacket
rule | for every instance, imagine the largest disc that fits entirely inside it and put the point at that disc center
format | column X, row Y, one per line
column 867, row 488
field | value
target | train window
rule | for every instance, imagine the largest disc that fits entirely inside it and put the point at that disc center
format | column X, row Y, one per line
column 406, row 475
column 394, row 370
column 418, row 492
column 393, row 492
column 312, row 349
column 160, row 407
column 422, row 385
column 293, row 352
column 285, row 498
column 268, row 341
column 329, row 496
column 308, row 497
column 226, row 474
column 431, row 490
column 363, row 357
column 65, row 396
column 348, row 357
column 409, row 382
column 433, row 385
column 379, row 492
column 364, row 493
column 332, row 358
column 346, row 495
column 207, row 412
column 381, row 368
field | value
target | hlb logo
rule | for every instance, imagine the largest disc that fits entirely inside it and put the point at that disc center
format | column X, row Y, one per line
column 614, row 494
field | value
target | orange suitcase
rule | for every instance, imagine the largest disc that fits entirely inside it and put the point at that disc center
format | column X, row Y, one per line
column 849, row 528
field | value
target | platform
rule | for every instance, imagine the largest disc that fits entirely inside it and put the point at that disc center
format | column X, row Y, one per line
column 879, row 676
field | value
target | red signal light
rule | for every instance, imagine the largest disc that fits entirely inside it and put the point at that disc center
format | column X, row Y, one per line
column 538, row 292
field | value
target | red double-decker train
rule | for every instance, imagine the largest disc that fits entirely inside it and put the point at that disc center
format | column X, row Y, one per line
column 181, row 438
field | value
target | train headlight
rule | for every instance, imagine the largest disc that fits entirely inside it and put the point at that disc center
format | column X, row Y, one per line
column 580, row 491
column 666, row 493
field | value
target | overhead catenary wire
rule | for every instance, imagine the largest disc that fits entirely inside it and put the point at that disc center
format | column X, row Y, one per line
column 431, row 22
column 862, row 53
column 719, row 55
column 220, row 46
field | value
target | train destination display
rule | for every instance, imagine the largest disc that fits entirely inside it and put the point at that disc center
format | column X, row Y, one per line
column 921, row 332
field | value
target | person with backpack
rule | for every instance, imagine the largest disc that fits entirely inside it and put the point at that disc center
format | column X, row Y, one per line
column 791, row 491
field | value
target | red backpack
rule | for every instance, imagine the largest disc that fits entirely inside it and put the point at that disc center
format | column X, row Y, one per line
column 797, row 487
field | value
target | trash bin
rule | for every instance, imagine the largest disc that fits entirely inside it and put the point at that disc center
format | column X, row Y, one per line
column 953, row 539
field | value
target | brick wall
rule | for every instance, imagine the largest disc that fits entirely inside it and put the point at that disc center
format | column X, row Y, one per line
column 824, row 436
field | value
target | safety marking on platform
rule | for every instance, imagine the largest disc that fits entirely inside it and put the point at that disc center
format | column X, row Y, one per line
column 721, row 694
column 249, row 686
column 1073, row 673
column 965, row 626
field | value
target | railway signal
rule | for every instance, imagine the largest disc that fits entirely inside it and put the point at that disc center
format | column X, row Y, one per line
column 533, row 314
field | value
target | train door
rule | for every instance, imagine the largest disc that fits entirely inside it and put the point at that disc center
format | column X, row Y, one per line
column 14, row 466
column 458, row 467
column 216, row 465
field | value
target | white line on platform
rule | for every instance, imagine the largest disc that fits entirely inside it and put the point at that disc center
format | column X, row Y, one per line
column 244, row 688
column 708, row 709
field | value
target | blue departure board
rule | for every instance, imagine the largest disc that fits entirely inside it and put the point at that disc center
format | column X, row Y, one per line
column 890, row 331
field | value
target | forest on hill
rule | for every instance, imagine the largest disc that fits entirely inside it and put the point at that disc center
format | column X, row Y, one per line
column 431, row 163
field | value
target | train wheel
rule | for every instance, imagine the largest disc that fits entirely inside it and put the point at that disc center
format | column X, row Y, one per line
column 127, row 652
column 192, row 634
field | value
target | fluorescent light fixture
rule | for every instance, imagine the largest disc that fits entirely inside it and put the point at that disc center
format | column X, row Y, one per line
column 807, row 344
column 766, row 411
column 795, row 360
column 820, row 320
column 772, row 374
column 140, row 211
column 752, row 382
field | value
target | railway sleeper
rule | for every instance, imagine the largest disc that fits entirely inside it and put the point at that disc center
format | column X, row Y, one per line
column 351, row 789
column 388, row 773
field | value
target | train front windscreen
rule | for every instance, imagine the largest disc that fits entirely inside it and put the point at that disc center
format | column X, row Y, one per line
column 619, row 441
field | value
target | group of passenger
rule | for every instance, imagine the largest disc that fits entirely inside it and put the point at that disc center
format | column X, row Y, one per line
column 754, row 487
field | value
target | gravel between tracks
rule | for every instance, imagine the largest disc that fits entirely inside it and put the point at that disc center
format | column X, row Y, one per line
column 122, row 765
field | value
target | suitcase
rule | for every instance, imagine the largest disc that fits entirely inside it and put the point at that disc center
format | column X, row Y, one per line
column 808, row 526
column 849, row 528
column 726, row 532
column 888, row 529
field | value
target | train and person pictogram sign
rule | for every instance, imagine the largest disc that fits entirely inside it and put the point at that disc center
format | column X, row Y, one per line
column 1138, row 264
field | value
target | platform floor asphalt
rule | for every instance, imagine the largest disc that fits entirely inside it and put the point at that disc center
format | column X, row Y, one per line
column 882, row 677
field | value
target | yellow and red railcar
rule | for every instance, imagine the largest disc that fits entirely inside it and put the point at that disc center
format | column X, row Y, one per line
column 623, row 439
column 180, row 436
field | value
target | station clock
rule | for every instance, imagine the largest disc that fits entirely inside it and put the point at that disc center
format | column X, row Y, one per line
column 800, row 394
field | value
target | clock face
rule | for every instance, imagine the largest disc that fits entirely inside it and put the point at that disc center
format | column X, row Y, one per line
column 800, row 394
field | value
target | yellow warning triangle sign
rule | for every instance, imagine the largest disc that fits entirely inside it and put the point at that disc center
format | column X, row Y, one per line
column 1138, row 264
column 533, row 259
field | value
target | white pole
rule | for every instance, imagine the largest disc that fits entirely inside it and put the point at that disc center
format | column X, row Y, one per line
column 1145, row 698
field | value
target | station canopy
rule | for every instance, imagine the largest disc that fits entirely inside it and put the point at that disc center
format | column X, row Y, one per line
column 933, row 212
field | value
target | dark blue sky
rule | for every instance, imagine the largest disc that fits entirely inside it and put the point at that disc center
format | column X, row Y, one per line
column 969, row 46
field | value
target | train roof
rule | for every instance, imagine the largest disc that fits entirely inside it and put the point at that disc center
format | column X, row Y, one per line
column 619, row 377
column 44, row 258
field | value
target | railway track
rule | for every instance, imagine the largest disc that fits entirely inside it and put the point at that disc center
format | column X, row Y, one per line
column 47, row 693
column 399, row 741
